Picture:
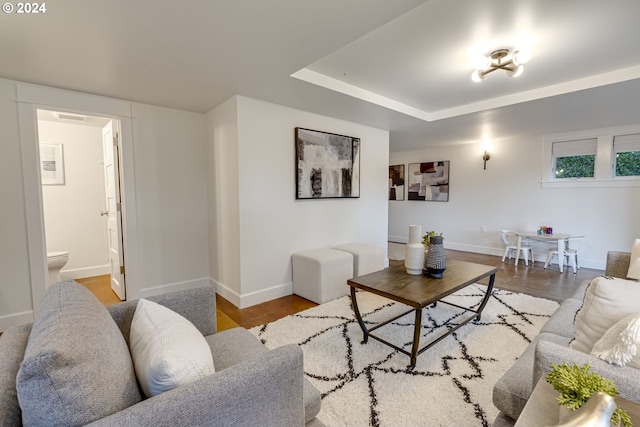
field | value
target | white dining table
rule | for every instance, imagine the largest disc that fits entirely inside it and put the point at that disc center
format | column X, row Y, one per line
column 562, row 240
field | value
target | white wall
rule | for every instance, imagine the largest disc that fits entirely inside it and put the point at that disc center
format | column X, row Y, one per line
column 15, row 290
column 171, row 191
column 273, row 224
column 72, row 211
column 508, row 195
column 223, row 198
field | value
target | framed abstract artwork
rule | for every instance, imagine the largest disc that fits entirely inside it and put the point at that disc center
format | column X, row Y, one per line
column 429, row 181
column 327, row 165
column 396, row 182
column 51, row 164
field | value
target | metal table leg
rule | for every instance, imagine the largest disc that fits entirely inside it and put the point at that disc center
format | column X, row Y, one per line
column 417, row 327
column 356, row 310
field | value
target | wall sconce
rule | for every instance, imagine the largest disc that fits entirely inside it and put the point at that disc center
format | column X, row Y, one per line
column 486, row 156
column 501, row 59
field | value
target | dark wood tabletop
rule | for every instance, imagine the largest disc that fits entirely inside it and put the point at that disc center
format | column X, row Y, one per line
column 420, row 291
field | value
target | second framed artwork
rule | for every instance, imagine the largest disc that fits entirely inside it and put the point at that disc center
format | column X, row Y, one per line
column 428, row 181
column 396, row 182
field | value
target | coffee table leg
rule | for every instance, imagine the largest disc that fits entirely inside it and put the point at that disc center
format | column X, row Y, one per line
column 365, row 331
column 417, row 327
column 487, row 295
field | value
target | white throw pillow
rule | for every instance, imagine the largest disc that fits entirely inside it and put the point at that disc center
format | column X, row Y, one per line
column 619, row 345
column 167, row 350
column 634, row 265
column 606, row 301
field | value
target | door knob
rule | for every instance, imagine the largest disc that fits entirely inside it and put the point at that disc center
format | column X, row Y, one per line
column 103, row 213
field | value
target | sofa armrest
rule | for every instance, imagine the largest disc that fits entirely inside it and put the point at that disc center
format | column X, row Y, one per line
column 625, row 378
column 198, row 305
column 617, row 264
column 264, row 391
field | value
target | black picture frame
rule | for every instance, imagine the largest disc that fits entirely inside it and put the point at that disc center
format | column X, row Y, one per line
column 429, row 181
column 396, row 182
column 327, row 165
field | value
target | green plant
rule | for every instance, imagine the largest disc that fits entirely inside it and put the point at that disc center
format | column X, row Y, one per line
column 576, row 384
column 426, row 239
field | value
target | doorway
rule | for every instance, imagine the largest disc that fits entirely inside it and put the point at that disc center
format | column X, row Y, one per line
column 81, row 201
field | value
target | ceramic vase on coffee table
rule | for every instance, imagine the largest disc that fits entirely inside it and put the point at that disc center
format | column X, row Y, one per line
column 414, row 252
column 436, row 261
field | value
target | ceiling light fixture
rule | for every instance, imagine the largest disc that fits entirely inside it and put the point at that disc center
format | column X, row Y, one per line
column 501, row 59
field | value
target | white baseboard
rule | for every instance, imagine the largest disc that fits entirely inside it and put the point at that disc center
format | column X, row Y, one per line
column 80, row 273
column 225, row 292
column 398, row 239
column 252, row 298
column 13, row 319
column 171, row 287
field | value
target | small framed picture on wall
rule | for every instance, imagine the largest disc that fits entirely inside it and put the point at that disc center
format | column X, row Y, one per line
column 51, row 164
column 396, row 182
column 429, row 181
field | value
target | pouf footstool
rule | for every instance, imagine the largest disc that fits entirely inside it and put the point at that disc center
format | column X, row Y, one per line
column 366, row 258
column 321, row 275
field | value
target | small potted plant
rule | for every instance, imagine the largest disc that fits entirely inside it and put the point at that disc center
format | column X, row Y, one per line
column 576, row 384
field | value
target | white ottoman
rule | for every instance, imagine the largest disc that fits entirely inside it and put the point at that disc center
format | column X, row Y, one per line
column 321, row 275
column 366, row 258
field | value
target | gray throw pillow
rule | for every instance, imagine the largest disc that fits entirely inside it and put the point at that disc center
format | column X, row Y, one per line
column 77, row 367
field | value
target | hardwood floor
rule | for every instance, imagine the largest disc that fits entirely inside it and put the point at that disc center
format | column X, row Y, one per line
column 264, row 313
column 533, row 280
column 101, row 288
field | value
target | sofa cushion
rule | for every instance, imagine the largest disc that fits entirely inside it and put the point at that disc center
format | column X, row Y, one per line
column 619, row 345
column 167, row 350
column 606, row 301
column 634, row 264
column 76, row 366
column 561, row 322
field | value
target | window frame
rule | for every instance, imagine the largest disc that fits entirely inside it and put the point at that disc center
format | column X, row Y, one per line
column 604, row 170
column 614, row 156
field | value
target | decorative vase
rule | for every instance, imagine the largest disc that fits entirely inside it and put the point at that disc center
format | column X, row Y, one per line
column 596, row 412
column 414, row 252
column 435, row 262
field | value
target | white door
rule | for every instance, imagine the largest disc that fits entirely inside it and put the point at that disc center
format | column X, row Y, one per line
column 110, row 145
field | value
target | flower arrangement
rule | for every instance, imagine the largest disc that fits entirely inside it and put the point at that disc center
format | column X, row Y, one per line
column 576, row 384
column 426, row 240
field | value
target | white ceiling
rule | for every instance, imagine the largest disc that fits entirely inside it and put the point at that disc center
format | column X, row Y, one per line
column 401, row 65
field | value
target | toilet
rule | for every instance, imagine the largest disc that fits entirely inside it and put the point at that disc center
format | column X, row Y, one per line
column 55, row 261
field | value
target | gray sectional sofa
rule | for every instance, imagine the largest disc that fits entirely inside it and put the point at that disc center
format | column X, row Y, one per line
column 551, row 346
column 91, row 380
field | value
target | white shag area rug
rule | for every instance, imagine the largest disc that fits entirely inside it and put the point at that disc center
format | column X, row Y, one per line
column 370, row 384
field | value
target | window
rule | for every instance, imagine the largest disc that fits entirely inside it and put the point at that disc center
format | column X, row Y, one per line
column 626, row 149
column 590, row 158
column 574, row 159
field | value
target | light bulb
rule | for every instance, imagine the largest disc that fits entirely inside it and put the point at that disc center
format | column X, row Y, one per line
column 521, row 56
column 516, row 72
column 482, row 62
column 477, row 77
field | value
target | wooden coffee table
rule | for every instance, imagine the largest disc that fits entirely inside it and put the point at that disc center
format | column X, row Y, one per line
column 418, row 292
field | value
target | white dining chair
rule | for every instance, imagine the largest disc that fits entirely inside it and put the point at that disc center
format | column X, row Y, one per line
column 510, row 239
column 570, row 254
